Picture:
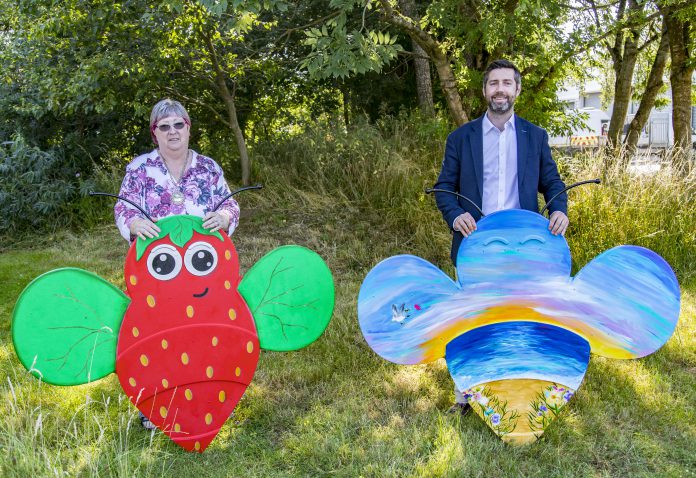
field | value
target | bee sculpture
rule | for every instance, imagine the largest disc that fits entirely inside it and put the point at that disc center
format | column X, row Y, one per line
column 515, row 329
column 184, row 339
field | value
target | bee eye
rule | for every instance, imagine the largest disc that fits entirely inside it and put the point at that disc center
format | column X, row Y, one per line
column 164, row 262
column 200, row 258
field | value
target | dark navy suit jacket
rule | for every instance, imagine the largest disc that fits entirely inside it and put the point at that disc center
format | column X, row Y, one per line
column 462, row 172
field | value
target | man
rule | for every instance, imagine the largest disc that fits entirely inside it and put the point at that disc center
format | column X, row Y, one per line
column 499, row 161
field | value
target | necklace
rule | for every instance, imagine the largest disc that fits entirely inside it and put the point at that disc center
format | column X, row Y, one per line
column 178, row 195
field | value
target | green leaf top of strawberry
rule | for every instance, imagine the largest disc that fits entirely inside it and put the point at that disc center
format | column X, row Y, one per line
column 180, row 230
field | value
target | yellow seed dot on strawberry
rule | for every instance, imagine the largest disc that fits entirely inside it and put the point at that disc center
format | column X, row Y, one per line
column 165, row 383
column 144, row 360
column 238, row 371
column 233, row 314
column 184, row 358
column 150, row 301
column 250, row 347
column 215, row 341
column 208, row 418
column 189, row 311
column 133, row 280
column 228, row 285
column 131, row 381
column 188, row 394
column 165, row 344
column 221, row 396
column 135, row 331
column 197, row 446
column 177, row 427
column 163, row 412
column 228, row 255
column 209, row 372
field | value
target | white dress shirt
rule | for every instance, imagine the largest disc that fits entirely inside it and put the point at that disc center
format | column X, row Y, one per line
column 500, row 190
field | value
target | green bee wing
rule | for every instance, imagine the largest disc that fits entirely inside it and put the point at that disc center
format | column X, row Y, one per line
column 65, row 326
column 290, row 293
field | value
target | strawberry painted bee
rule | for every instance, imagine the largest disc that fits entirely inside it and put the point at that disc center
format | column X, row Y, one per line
column 515, row 329
column 184, row 339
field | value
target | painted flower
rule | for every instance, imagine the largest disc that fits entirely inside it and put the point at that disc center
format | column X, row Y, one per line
column 495, row 419
column 480, row 398
column 553, row 395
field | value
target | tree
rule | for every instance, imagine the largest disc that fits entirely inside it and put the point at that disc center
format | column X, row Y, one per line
column 653, row 86
column 460, row 39
column 680, row 21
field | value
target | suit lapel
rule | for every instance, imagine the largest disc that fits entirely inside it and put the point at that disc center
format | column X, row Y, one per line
column 476, row 143
column 522, row 133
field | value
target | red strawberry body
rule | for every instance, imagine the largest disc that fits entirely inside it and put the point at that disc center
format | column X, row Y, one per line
column 188, row 346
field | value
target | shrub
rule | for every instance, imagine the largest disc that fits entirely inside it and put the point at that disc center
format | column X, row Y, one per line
column 36, row 187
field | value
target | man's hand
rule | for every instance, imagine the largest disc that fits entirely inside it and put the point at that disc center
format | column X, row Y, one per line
column 465, row 224
column 558, row 223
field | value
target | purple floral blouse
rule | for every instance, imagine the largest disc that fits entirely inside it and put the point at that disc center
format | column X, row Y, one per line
column 149, row 184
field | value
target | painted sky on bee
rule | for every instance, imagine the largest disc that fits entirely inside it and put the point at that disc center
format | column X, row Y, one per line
column 625, row 302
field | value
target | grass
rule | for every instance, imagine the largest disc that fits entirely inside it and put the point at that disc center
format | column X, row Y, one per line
column 336, row 408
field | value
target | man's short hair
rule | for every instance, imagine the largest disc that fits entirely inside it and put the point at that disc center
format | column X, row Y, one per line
column 497, row 64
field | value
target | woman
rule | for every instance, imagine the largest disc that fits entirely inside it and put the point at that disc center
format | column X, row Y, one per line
column 172, row 179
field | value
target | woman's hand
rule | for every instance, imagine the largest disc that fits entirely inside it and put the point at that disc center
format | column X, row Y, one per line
column 144, row 228
column 216, row 221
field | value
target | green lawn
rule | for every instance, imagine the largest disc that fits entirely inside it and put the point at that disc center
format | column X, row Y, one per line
column 335, row 408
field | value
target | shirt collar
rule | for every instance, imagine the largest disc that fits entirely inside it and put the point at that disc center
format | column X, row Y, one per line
column 488, row 126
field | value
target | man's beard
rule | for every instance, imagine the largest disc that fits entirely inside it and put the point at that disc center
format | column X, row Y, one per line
column 503, row 108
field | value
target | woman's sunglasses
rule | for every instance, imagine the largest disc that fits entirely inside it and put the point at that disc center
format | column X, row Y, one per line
column 166, row 127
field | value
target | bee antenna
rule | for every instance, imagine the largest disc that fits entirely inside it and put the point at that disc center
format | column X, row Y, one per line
column 258, row 186
column 579, row 183
column 94, row 193
column 433, row 190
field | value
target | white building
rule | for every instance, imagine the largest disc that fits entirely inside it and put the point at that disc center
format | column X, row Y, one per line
column 588, row 99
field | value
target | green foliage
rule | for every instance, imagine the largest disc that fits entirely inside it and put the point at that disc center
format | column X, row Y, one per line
column 339, row 50
column 361, row 37
column 36, row 187
column 379, row 169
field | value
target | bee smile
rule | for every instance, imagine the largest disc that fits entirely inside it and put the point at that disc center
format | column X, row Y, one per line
column 198, row 296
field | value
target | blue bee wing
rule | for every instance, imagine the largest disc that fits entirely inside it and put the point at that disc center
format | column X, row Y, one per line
column 396, row 308
column 631, row 296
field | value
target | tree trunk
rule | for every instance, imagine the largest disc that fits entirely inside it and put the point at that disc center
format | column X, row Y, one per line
column 232, row 120
column 345, row 98
column 424, row 84
column 448, row 82
column 228, row 98
column 680, row 45
column 625, row 54
column 421, row 64
column 647, row 102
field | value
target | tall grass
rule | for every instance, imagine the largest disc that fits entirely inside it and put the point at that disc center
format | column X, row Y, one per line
column 335, row 408
column 377, row 174
column 654, row 209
